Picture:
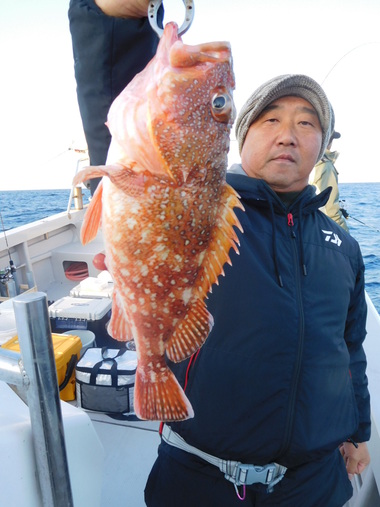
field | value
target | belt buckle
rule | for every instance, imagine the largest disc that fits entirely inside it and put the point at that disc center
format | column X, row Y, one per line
column 250, row 474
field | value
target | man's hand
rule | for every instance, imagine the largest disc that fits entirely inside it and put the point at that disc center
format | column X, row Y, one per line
column 124, row 8
column 356, row 459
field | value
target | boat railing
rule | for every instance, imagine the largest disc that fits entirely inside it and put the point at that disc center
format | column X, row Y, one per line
column 33, row 372
column 76, row 193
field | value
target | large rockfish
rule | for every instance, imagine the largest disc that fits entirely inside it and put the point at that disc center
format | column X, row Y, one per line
column 166, row 210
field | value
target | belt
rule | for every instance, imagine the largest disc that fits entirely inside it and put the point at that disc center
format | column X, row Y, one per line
column 239, row 474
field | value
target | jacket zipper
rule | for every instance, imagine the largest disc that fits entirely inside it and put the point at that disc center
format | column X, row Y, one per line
column 298, row 362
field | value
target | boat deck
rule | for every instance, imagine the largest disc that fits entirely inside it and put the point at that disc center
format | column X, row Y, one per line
column 130, row 451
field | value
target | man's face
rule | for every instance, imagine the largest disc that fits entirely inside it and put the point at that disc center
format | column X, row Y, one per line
column 282, row 144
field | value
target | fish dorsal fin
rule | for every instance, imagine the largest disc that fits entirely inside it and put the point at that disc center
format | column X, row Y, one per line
column 192, row 331
column 93, row 216
column 223, row 239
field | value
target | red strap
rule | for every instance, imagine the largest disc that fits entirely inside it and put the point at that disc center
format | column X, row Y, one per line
column 193, row 358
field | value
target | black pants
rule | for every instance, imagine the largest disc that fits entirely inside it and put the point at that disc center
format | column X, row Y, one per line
column 182, row 482
column 108, row 53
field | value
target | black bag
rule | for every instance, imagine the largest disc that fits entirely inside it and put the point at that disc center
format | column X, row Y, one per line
column 105, row 380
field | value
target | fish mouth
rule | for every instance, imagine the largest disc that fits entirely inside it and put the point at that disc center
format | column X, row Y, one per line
column 182, row 55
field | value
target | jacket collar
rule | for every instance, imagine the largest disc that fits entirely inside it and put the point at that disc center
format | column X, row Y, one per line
column 258, row 190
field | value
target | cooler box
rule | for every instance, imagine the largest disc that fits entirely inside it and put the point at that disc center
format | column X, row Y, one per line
column 84, row 313
column 94, row 287
column 66, row 354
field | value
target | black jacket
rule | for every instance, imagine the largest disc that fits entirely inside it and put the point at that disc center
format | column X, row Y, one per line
column 282, row 375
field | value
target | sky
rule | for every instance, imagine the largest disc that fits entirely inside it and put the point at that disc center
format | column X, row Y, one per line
column 336, row 42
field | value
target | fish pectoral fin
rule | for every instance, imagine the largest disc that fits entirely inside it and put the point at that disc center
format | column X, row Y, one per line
column 158, row 395
column 191, row 332
column 118, row 327
column 123, row 176
column 89, row 173
column 93, row 216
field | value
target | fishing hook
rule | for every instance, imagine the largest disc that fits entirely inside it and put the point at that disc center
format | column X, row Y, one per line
column 154, row 5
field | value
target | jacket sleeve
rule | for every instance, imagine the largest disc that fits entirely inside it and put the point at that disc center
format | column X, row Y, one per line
column 354, row 335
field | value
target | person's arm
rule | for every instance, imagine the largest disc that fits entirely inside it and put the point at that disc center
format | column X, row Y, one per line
column 124, row 8
column 355, row 458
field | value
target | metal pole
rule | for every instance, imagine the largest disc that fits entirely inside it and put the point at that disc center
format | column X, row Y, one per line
column 33, row 328
column 11, row 369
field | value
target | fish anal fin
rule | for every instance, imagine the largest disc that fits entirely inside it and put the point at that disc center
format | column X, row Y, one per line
column 93, row 216
column 118, row 326
column 159, row 397
column 190, row 333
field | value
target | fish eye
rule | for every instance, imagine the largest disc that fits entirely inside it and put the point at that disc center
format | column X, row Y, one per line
column 218, row 102
column 221, row 106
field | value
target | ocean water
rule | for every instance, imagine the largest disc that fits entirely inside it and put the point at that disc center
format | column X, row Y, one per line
column 20, row 207
column 359, row 199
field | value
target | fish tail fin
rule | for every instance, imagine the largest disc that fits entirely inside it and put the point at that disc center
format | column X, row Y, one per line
column 191, row 332
column 162, row 399
column 93, row 216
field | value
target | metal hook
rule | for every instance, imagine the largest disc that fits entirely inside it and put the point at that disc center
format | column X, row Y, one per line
column 154, row 5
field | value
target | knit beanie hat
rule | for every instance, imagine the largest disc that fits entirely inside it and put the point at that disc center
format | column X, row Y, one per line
column 287, row 85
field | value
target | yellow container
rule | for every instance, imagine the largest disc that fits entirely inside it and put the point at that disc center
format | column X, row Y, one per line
column 65, row 346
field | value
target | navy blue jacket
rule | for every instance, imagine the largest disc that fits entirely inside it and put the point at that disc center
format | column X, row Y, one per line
column 282, row 374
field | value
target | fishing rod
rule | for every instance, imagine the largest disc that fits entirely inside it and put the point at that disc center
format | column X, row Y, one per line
column 348, row 215
column 344, row 56
column 8, row 281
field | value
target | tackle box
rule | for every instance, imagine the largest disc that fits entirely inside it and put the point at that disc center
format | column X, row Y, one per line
column 65, row 347
column 84, row 313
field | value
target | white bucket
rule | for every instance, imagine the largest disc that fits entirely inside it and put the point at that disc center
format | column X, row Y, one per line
column 86, row 337
column 7, row 322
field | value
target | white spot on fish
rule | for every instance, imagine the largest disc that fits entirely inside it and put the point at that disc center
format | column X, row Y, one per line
column 131, row 222
column 144, row 270
column 186, row 295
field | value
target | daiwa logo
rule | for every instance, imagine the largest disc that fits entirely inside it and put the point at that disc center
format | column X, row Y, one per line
column 332, row 237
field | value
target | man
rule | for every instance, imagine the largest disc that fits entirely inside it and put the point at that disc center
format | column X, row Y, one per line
column 280, row 383
column 112, row 41
column 325, row 175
